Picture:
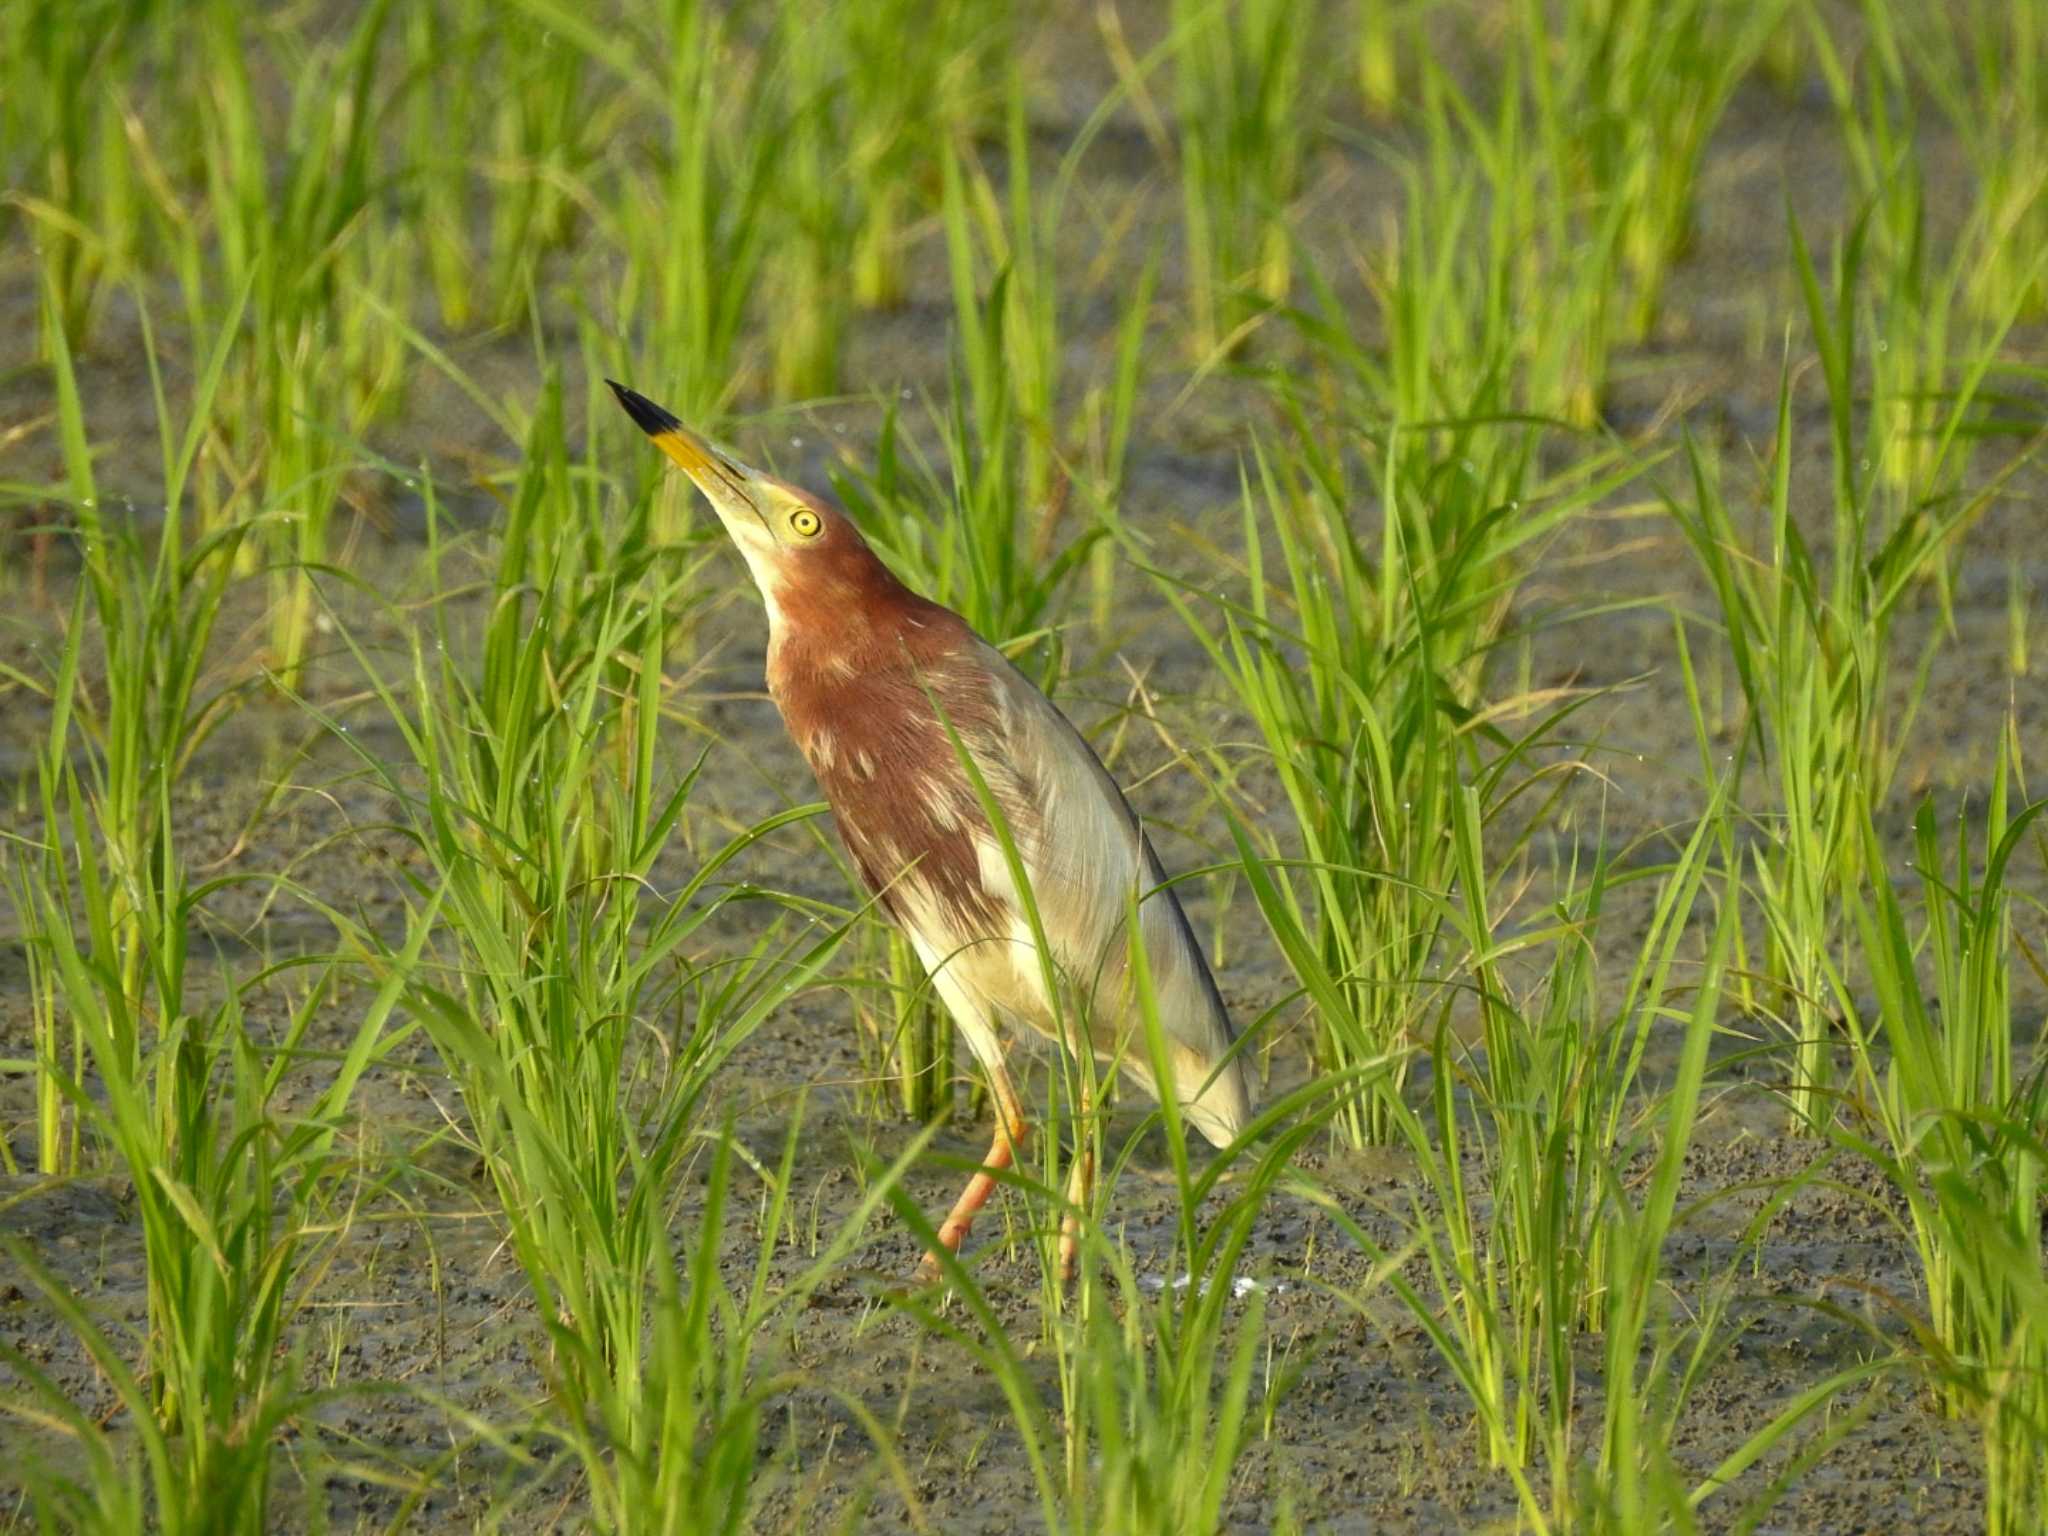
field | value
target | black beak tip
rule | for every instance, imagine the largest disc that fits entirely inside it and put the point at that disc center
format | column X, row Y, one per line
column 647, row 416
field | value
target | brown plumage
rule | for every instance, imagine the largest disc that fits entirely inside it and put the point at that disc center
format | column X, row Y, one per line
column 859, row 710
column 869, row 676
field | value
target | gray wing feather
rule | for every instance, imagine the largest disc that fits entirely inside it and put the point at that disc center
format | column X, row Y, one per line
column 1087, row 853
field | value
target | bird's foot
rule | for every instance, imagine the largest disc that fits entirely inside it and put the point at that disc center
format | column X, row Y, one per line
column 930, row 1269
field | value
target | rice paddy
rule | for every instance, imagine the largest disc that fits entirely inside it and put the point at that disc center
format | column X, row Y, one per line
column 1538, row 501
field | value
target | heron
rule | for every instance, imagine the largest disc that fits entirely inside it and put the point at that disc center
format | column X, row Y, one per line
column 884, row 693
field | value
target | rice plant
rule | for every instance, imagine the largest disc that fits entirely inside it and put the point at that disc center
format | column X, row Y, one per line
column 449, row 45
column 1986, row 67
column 293, row 235
column 1030, row 476
column 1362, row 670
column 811, row 248
column 1379, row 57
column 545, row 128
column 1656, row 1357
column 917, row 78
column 681, row 189
column 132, row 699
column 70, row 115
column 1482, row 236
column 242, row 1205
column 1956, row 1124
column 1625, row 96
column 1813, row 651
column 1929, row 353
column 241, row 1200
column 1276, row 356
column 868, row 98
column 1247, row 81
column 1534, row 1251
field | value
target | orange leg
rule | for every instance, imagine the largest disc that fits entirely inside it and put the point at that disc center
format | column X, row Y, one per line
column 1010, row 1129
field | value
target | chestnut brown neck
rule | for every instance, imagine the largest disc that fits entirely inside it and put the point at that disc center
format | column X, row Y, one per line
column 843, row 613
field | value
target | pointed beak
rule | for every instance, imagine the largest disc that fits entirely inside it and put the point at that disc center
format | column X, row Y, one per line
column 728, row 484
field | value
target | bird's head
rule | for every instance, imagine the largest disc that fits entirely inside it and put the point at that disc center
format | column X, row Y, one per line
column 791, row 539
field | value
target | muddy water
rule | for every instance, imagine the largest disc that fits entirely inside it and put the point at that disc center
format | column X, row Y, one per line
column 1376, row 1435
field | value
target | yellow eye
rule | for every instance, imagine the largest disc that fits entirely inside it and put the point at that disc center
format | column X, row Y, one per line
column 805, row 523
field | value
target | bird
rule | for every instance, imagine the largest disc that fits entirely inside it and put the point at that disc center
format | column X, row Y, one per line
column 882, row 691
